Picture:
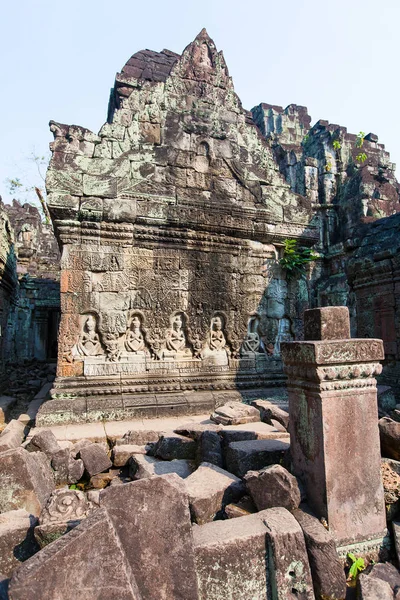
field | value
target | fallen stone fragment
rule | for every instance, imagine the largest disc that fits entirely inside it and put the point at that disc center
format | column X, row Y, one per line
column 273, row 486
column 269, row 412
column 389, row 432
column 251, row 431
column 44, row 441
column 12, row 436
column 210, row 489
column 67, row 469
column 396, row 536
column 77, row 447
column 194, row 430
column 386, row 572
column 173, row 446
column 139, row 437
column 369, row 588
column 153, row 522
column 101, row 480
column 254, row 455
column 390, row 471
column 26, row 481
column 209, row 448
column 17, row 541
column 65, row 505
column 6, row 403
column 121, row 454
column 231, row 561
column 244, row 506
column 95, row 459
column 141, row 467
column 326, row 568
column 87, row 562
column 234, row 413
column 288, row 566
column 46, row 534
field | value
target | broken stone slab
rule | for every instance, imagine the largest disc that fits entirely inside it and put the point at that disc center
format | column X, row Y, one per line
column 251, row 431
column 288, row 566
column 209, row 448
column 121, row 454
column 152, row 519
column 102, row 480
column 390, row 471
column 387, row 572
column 326, row 568
column 77, row 447
column 26, row 481
column 244, row 506
column 210, row 489
column 65, row 505
column 95, row 459
column 141, row 467
column 88, row 560
column 173, row 446
column 273, row 486
column 139, row 438
column 12, row 436
column 231, row 560
column 234, row 413
column 270, row 412
column 396, row 537
column 369, row 588
column 253, row 455
column 46, row 534
column 44, row 441
column 6, row 403
column 66, row 468
column 389, row 432
column 194, row 430
column 17, row 541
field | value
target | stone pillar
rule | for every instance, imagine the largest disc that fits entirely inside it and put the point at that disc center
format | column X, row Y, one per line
column 334, row 425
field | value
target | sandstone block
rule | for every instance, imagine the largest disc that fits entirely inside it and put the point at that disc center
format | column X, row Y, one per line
column 77, row 447
column 12, row 436
column 174, row 446
column 17, row 542
column 101, row 480
column 369, row 588
column 26, row 481
column 387, row 572
column 141, row 467
column 194, row 430
column 245, row 506
column 209, row 448
column 87, row 561
column 66, row 468
column 254, row 455
column 270, row 412
column 234, row 413
column 65, row 506
column 95, row 459
column 327, row 323
column 209, row 489
column 289, row 570
column 251, row 431
column 231, row 561
column 46, row 534
column 44, row 441
column 326, row 568
column 389, row 432
column 153, row 522
column 396, row 536
column 273, row 486
column 121, row 454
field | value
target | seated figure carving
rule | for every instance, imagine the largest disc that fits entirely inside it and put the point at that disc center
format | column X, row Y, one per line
column 217, row 336
column 134, row 339
column 251, row 343
column 175, row 337
column 89, row 342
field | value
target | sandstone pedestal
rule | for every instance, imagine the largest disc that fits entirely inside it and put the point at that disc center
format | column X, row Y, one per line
column 334, row 426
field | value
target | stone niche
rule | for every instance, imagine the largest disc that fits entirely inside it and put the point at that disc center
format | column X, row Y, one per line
column 169, row 223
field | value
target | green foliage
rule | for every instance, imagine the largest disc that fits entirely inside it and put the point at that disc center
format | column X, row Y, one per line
column 360, row 139
column 295, row 258
column 356, row 565
column 328, row 167
column 336, row 144
column 305, row 139
column 361, row 157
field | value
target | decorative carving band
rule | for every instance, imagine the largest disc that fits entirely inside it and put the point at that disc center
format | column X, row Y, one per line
column 332, row 352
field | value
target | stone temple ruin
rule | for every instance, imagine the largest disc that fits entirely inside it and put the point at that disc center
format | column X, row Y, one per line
column 171, row 302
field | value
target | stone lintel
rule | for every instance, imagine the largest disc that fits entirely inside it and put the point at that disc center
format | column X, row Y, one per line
column 332, row 352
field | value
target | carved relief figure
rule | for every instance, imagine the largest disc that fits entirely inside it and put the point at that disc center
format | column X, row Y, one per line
column 89, row 341
column 134, row 338
column 175, row 338
column 251, row 343
column 284, row 334
column 217, row 336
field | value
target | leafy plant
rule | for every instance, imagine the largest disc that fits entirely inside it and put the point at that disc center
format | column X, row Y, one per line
column 361, row 157
column 295, row 258
column 357, row 565
column 306, row 138
column 328, row 167
column 336, row 144
column 360, row 139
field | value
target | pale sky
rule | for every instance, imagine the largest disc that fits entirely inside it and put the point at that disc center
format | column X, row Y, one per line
column 58, row 61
